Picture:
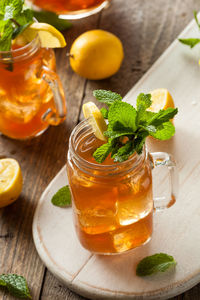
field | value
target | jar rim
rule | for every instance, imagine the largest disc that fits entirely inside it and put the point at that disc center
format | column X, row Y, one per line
column 21, row 52
column 134, row 160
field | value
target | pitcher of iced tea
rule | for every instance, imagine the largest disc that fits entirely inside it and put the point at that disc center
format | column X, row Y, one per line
column 112, row 202
column 31, row 93
column 72, row 9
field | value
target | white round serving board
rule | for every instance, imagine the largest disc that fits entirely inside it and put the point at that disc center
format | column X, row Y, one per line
column 176, row 230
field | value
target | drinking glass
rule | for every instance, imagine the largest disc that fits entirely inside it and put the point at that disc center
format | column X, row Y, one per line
column 31, row 93
column 112, row 202
column 72, row 9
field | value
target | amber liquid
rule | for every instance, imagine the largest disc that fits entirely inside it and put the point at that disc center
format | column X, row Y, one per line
column 24, row 95
column 66, row 6
column 114, row 214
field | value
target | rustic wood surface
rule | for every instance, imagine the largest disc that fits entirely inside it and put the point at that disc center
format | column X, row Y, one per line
column 146, row 28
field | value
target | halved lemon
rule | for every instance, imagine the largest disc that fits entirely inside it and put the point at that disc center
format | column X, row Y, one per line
column 49, row 36
column 96, row 120
column 161, row 99
column 10, row 181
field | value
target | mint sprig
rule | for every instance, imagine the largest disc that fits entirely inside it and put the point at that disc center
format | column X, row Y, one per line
column 133, row 123
column 192, row 41
column 14, row 18
column 16, row 285
column 155, row 263
column 62, row 197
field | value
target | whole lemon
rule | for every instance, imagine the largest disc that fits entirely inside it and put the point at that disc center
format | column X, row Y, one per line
column 96, row 54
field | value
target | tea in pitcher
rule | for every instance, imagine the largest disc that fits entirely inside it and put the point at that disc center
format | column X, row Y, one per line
column 73, row 8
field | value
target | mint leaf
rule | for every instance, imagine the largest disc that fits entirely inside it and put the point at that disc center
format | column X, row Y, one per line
column 140, row 140
column 143, row 102
column 155, row 263
column 114, row 134
column 104, row 112
column 16, row 285
column 164, row 131
column 6, row 32
column 162, row 116
column 124, row 152
column 190, row 42
column 106, row 97
column 102, row 152
column 62, row 197
column 25, row 17
column 52, row 19
column 12, row 9
column 122, row 117
column 196, row 19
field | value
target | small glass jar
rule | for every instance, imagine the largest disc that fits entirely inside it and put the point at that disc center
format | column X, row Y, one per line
column 113, row 204
column 31, row 93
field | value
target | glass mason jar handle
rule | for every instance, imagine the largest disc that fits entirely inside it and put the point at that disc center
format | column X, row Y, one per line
column 165, row 159
column 57, row 115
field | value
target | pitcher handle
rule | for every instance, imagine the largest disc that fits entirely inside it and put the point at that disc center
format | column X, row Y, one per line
column 165, row 159
column 57, row 115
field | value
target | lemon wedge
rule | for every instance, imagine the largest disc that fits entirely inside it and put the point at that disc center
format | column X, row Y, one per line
column 49, row 36
column 96, row 120
column 161, row 99
column 10, row 181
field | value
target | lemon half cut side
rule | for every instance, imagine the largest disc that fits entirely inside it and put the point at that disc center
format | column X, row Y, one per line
column 161, row 99
column 10, row 181
column 96, row 120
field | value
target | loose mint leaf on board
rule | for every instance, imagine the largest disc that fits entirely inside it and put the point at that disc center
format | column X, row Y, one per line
column 16, row 285
column 62, row 197
column 122, row 117
column 155, row 263
column 102, row 152
column 106, row 97
column 164, row 131
column 104, row 112
column 196, row 19
column 52, row 19
column 190, row 42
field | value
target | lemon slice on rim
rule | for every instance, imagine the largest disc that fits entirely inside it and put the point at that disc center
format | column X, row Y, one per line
column 10, row 181
column 161, row 99
column 49, row 36
column 96, row 120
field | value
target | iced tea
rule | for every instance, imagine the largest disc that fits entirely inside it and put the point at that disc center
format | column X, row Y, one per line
column 25, row 97
column 112, row 203
column 75, row 7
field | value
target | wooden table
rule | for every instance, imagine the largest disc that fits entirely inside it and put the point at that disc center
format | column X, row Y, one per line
column 146, row 29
